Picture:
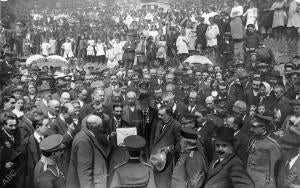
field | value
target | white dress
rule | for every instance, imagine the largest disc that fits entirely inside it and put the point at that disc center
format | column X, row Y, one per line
column 45, row 48
column 182, row 45
column 111, row 58
column 68, row 53
column 100, row 49
column 211, row 35
column 252, row 14
column 90, row 49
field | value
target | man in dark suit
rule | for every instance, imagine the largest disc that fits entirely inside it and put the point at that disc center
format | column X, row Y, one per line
column 252, row 95
column 227, row 170
column 64, row 125
column 132, row 111
column 31, row 150
column 193, row 107
column 26, row 123
column 90, row 151
column 166, row 137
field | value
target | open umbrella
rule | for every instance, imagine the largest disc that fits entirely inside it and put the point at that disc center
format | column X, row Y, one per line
column 35, row 59
column 53, row 60
column 198, row 59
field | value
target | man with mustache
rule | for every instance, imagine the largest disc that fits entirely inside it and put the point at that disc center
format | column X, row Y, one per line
column 227, row 170
column 252, row 95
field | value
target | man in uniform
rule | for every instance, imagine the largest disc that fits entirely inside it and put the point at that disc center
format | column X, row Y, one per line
column 134, row 172
column 192, row 164
column 46, row 172
column 264, row 152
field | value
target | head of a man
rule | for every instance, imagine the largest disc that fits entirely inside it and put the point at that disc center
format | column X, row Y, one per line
column 164, row 113
column 131, row 98
column 9, row 122
column 193, row 98
column 118, row 111
column 65, row 98
column 54, row 107
column 9, row 102
column 68, row 112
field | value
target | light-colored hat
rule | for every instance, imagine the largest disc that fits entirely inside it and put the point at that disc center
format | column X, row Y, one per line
column 159, row 160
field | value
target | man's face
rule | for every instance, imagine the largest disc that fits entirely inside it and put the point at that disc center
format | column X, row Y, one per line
column 113, row 80
column 209, row 104
column 161, row 75
column 198, row 75
column 10, row 126
column 31, row 90
column 223, row 89
column 204, row 75
column 153, row 74
column 223, row 148
column 54, row 108
column 255, row 85
column 277, row 92
column 10, row 105
column 130, row 73
column 47, row 95
column 253, row 58
column 186, row 144
column 131, row 100
column 44, row 127
column 77, row 109
column 288, row 70
column 78, row 84
column 158, row 95
column 250, row 29
column 219, row 76
column 296, row 109
column 169, row 79
column 65, row 99
column 163, row 116
column 98, row 108
column 192, row 99
column 82, row 96
column 118, row 112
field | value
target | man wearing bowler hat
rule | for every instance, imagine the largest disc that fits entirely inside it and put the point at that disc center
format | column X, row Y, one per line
column 227, row 170
column 46, row 172
column 191, row 167
column 134, row 172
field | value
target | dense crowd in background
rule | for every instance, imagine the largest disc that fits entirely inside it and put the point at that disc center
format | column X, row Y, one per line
column 231, row 122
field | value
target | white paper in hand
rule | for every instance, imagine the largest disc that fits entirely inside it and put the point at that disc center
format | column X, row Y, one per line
column 122, row 133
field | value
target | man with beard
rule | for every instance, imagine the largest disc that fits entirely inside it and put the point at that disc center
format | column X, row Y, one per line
column 227, row 170
column 165, row 138
column 64, row 125
column 47, row 172
column 264, row 152
column 89, row 156
column 9, row 143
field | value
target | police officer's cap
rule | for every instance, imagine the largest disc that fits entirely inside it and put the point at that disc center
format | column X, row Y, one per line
column 134, row 142
column 52, row 143
column 189, row 133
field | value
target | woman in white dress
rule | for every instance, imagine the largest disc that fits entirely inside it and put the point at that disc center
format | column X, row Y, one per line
column 100, row 52
column 182, row 44
column 90, row 51
column 45, row 46
column 279, row 18
column 67, row 47
column 111, row 57
column 251, row 15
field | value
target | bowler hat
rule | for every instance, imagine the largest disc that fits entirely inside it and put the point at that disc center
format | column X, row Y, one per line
column 275, row 73
column 52, row 143
column 225, row 134
column 159, row 160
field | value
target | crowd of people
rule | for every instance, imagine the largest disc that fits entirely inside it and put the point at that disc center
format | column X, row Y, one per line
column 141, row 115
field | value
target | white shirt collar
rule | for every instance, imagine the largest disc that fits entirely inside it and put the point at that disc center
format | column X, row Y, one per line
column 51, row 116
column 62, row 118
column 293, row 160
column 80, row 103
column 45, row 102
column 174, row 108
column 37, row 137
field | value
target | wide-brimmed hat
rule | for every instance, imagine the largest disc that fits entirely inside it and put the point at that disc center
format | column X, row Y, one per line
column 225, row 134
column 158, row 160
column 44, row 87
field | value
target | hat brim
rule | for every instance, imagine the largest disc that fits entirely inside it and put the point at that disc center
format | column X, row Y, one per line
column 225, row 139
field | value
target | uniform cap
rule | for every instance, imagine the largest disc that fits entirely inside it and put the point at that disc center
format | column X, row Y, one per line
column 52, row 143
column 189, row 133
column 134, row 142
column 290, row 140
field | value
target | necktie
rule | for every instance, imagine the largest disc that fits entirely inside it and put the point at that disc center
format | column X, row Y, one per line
column 162, row 128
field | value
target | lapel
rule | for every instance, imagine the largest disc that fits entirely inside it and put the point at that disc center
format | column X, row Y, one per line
column 28, row 123
column 34, row 151
column 126, row 114
column 166, row 129
column 96, row 144
column 296, row 167
column 213, row 171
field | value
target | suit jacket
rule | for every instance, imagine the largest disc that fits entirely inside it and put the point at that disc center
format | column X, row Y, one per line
column 241, row 146
column 169, row 136
column 250, row 98
column 230, row 173
column 88, row 168
column 58, row 126
column 26, row 128
column 40, row 105
column 179, row 111
column 287, row 175
column 32, row 154
column 132, row 117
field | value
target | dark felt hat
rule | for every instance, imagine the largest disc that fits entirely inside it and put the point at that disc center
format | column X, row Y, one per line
column 225, row 134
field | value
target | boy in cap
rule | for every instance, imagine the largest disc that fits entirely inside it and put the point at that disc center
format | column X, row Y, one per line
column 192, row 164
column 134, row 172
column 46, row 172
